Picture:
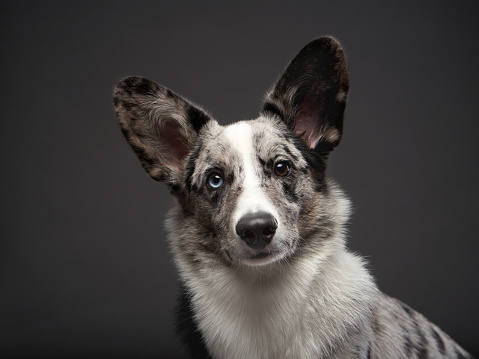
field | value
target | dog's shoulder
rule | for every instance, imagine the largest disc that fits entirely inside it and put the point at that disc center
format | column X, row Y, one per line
column 402, row 332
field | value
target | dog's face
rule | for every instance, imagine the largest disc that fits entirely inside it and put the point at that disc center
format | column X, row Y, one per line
column 245, row 185
column 253, row 192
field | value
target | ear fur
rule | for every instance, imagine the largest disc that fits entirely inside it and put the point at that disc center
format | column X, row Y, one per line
column 159, row 125
column 310, row 97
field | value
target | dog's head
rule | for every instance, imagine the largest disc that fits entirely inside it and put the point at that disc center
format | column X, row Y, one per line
column 253, row 192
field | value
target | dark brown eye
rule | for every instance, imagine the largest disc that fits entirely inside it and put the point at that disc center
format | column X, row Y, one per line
column 282, row 169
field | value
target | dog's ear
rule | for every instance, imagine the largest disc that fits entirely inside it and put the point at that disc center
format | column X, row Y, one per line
column 160, row 126
column 310, row 97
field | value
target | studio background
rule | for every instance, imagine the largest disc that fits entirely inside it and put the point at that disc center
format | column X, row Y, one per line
column 84, row 264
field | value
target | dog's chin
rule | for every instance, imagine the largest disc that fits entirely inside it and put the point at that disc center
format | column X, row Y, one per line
column 262, row 258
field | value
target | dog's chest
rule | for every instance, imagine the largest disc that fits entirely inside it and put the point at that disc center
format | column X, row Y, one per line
column 302, row 311
column 269, row 319
column 239, row 323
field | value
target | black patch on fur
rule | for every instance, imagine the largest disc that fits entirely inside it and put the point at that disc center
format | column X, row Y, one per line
column 138, row 85
column 407, row 345
column 423, row 351
column 368, row 356
column 316, row 163
column 125, row 85
column 187, row 328
column 269, row 164
column 174, row 187
column 261, row 161
column 197, row 118
column 128, row 105
column 289, row 192
column 215, row 197
column 408, row 311
column 439, row 341
column 421, row 345
column 288, row 152
column 145, row 87
column 190, row 168
column 272, row 109
column 266, row 166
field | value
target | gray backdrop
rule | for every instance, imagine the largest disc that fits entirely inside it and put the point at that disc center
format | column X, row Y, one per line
column 84, row 265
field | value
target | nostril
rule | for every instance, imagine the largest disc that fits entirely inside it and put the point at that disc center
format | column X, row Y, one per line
column 269, row 232
column 247, row 234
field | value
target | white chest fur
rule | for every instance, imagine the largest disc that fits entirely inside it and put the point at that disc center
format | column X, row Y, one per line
column 299, row 310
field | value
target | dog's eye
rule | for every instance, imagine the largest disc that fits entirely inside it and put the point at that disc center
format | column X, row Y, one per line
column 282, row 168
column 215, row 181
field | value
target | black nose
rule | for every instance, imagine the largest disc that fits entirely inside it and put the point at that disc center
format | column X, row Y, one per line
column 257, row 229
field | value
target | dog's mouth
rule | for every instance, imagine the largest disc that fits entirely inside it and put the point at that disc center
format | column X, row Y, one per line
column 275, row 251
column 260, row 255
column 260, row 258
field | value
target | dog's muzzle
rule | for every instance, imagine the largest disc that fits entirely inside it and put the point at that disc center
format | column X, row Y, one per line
column 257, row 229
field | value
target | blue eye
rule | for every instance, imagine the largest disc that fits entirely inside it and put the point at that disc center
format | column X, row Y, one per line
column 215, row 181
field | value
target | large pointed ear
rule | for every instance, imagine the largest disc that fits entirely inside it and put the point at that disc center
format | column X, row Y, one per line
column 311, row 95
column 160, row 126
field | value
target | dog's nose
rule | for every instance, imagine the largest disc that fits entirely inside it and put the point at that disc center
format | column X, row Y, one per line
column 257, row 229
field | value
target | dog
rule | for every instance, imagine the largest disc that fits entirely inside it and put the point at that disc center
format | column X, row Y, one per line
column 258, row 230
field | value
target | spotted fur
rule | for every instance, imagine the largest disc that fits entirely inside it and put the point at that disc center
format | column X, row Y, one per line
column 258, row 232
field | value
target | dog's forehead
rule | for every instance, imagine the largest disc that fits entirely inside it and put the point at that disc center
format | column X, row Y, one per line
column 239, row 136
column 259, row 139
column 261, row 135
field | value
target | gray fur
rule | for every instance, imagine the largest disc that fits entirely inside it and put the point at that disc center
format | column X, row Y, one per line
column 303, row 295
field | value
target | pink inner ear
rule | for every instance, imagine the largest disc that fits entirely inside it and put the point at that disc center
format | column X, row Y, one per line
column 307, row 122
column 173, row 143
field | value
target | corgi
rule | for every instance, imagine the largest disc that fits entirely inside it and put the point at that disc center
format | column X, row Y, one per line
column 258, row 229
